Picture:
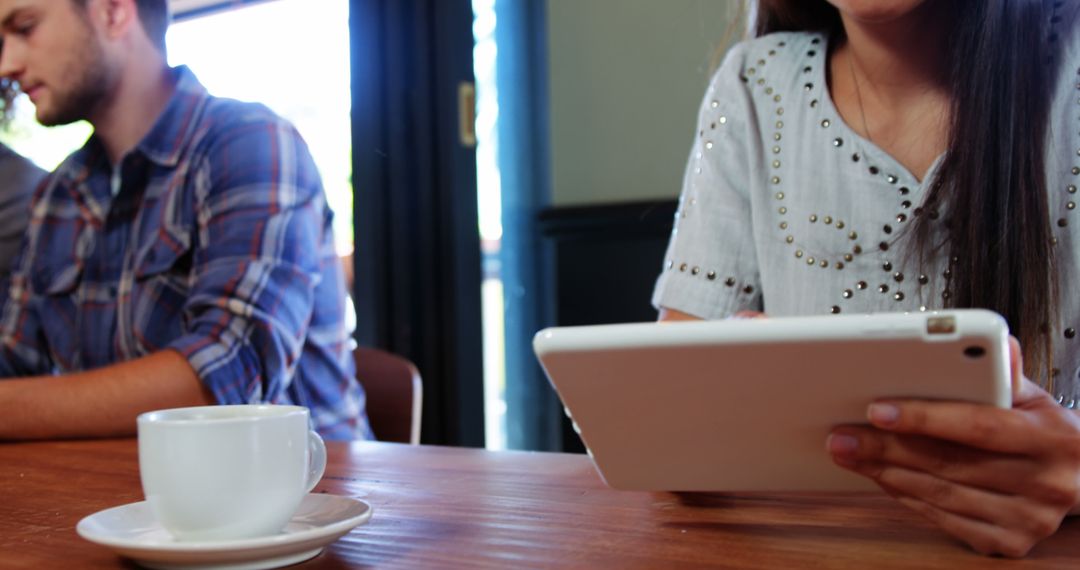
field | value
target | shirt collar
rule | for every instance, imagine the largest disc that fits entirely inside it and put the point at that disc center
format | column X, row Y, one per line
column 165, row 141
column 174, row 128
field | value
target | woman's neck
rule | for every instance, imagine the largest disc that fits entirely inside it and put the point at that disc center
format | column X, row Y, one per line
column 890, row 83
column 902, row 58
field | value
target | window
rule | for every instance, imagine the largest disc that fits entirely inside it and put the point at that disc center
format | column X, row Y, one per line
column 291, row 55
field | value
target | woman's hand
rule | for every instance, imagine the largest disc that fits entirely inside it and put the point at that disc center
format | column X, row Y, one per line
column 999, row 480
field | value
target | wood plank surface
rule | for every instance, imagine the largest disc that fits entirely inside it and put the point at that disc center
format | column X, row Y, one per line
column 454, row 508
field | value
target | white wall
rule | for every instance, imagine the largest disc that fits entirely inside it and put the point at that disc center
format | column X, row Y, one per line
column 626, row 79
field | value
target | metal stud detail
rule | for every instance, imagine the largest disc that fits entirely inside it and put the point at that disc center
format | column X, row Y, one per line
column 835, row 310
column 1070, row 333
column 848, row 293
column 730, row 282
column 711, row 276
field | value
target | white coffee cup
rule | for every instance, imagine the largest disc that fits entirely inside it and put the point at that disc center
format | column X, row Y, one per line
column 227, row 472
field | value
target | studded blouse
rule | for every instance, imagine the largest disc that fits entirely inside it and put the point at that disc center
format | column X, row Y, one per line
column 785, row 209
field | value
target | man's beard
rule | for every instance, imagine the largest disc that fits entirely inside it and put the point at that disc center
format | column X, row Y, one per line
column 84, row 92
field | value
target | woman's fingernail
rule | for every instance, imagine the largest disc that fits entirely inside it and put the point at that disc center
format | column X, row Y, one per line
column 883, row 414
column 843, row 444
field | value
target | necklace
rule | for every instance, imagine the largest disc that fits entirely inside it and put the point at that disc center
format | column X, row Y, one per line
column 858, row 95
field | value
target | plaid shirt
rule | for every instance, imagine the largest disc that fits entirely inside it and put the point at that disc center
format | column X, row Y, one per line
column 211, row 238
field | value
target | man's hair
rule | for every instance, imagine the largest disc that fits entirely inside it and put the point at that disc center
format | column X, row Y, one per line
column 154, row 16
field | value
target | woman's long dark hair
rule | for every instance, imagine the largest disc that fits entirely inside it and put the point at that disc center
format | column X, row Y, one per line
column 991, row 187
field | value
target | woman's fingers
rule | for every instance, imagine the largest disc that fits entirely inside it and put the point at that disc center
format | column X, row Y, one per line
column 974, row 425
column 851, row 446
column 984, row 537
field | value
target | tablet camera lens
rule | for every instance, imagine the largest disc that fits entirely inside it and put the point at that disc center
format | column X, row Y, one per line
column 974, row 352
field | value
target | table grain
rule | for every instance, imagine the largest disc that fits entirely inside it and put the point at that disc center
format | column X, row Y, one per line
column 440, row 507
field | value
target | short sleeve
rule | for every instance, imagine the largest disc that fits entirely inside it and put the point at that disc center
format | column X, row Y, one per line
column 711, row 267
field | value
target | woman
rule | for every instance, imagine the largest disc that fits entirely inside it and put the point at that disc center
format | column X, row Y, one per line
column 18, row 179
column 905, row 155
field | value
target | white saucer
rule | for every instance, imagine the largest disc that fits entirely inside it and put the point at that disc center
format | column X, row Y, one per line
column 132, row 531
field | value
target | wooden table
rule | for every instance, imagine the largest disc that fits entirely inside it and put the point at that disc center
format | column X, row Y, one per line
column 443, row 507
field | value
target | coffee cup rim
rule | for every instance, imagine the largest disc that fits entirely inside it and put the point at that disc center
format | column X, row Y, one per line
column 183, row 415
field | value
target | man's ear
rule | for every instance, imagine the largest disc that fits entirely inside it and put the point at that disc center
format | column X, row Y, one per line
column 114, row 18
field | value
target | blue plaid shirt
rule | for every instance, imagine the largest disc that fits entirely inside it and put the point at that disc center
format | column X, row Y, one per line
column 211, row 238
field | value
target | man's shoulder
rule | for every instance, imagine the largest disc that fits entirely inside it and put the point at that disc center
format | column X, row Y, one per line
column 222, row 113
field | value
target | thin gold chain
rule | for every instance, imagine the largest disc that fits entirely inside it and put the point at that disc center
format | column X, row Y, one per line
column 858, row 94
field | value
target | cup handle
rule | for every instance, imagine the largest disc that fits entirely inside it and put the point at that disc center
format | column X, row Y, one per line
column 316, row 461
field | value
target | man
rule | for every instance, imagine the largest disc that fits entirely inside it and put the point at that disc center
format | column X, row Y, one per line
column 182, row 257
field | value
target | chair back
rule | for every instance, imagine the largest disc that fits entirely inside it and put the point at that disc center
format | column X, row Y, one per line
column 394, row 394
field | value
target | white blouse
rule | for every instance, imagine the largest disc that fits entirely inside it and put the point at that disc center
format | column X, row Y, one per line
column 787, row 210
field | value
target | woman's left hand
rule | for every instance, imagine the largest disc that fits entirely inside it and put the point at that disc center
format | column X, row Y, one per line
column 999, row 480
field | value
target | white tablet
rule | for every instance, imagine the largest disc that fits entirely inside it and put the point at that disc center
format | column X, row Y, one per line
column 746, row 405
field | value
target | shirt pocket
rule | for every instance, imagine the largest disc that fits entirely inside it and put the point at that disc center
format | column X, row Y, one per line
column 161, row 290
column 55, row 287
column 56, row 279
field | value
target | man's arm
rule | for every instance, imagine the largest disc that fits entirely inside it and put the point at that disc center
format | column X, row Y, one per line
column 668, row 315
column 98, row 403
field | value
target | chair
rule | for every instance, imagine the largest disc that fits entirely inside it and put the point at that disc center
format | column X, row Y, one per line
column 394, row 394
